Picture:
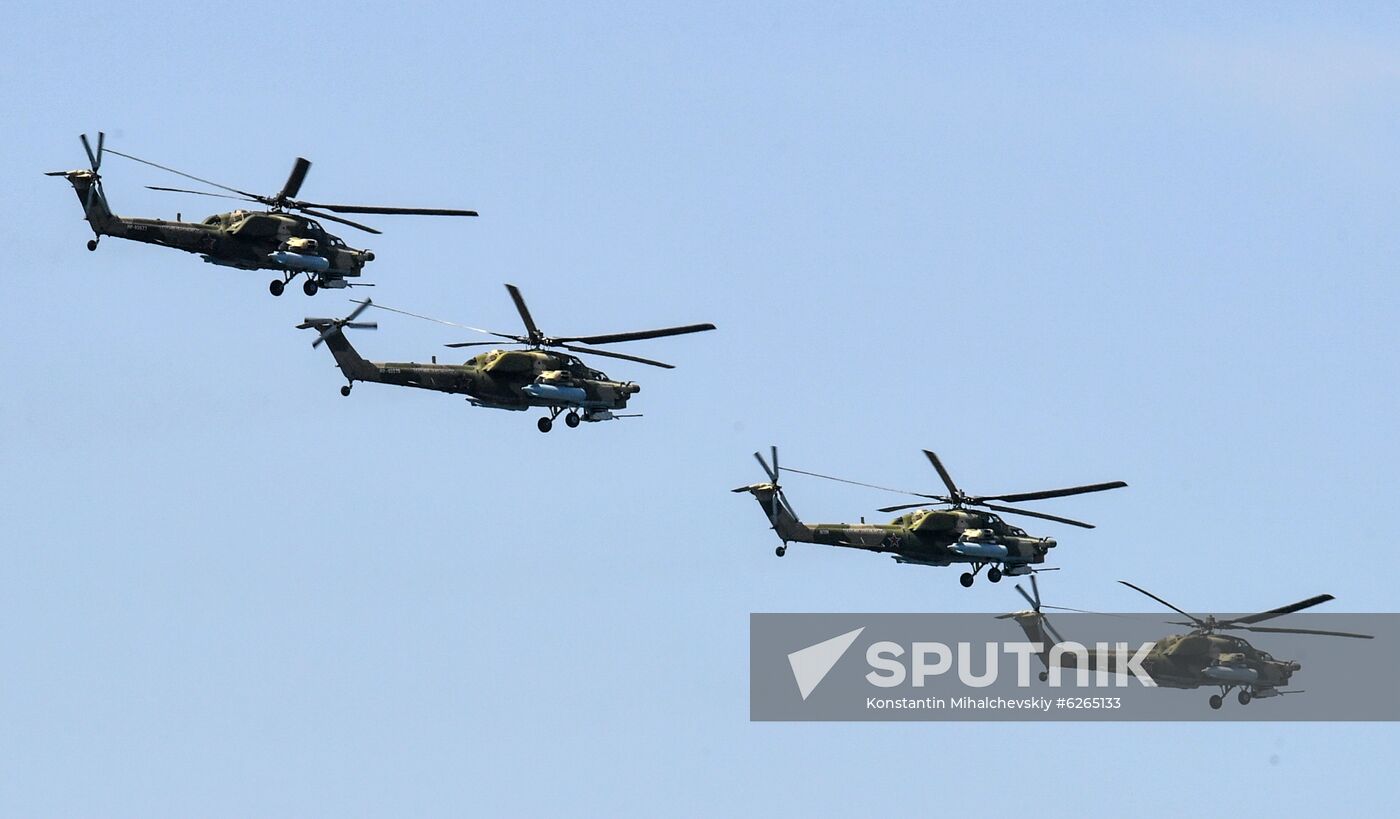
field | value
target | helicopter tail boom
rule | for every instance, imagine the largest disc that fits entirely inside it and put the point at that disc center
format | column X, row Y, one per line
column 350, row 362
column 88, row 186
column 779, row 513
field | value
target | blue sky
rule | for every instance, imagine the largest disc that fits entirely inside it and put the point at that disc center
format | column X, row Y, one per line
column 1055, row 243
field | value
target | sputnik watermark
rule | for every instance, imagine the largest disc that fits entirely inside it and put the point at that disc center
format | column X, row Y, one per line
column 951, row 667
column 1108, row 665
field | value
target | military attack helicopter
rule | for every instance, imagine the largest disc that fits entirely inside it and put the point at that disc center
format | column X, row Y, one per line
column 504, row 379
column 274, row 239
column 1201, row 658
column 928, row 537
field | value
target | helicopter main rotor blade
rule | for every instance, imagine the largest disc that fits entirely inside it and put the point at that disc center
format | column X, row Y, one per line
column 523, row 311
column 1028, row 513
column 294, row 179
column 1193, row 618
column 440, row 321
column 388, row 210
column 943, row 473
column 866, row 485
column 894, row 508
column 477, row 344
column 1053, row 493
column 1320, row 632
column 611, row 354
column 253, row 196
column 613, row 338
column 200, row 193
column 365, row 228
column 1282, row 610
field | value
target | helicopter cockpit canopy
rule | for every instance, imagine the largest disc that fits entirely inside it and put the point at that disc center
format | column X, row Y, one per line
column 257, row 226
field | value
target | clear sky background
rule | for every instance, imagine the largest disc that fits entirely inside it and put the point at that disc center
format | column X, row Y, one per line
column 1058, row 244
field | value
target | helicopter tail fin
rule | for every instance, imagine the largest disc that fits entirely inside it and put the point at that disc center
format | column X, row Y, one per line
column 779, row 512
column 88, row 185
column 775, row 504
column 1032, row 623
column 332, row 334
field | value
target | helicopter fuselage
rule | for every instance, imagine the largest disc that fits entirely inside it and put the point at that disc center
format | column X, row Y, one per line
column 499, row 379
column 245, row 239
column 1185, row 661
column 929, row 537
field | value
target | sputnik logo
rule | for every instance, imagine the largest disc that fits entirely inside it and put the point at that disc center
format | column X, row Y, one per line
column 810, row 665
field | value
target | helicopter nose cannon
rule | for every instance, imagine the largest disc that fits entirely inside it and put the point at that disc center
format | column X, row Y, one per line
column 633, row 388
column 1046, row 544
column 368, row 255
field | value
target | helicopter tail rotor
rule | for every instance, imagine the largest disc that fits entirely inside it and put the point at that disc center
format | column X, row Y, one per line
column 94, row 157
column 331, row 327
column 779, row 500
column 1035, row 612
column 775, row 503
column 88, row 185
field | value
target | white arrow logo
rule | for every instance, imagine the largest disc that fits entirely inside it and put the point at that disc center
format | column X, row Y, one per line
column 810, row 665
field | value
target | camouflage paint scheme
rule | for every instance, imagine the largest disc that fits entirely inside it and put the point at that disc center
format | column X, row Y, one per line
column 1204, row 657
column 499, row 379
column 929, row 537
column 1188, row 661
column 243, row 239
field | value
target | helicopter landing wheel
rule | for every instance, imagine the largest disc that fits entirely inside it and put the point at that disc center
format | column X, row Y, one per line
column 92, row 244
column 276, row 286
column 1044, row 675
column 309, row 287
column 966, row 580
column 994, row 575
column 345, row 390
column 1216, row 701
column 545, row 424
column 572, row 420
column 1244, row 697
column 780, row 551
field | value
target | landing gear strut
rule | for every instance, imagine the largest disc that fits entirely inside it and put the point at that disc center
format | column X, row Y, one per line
column 993, row 574
column 547, row 423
